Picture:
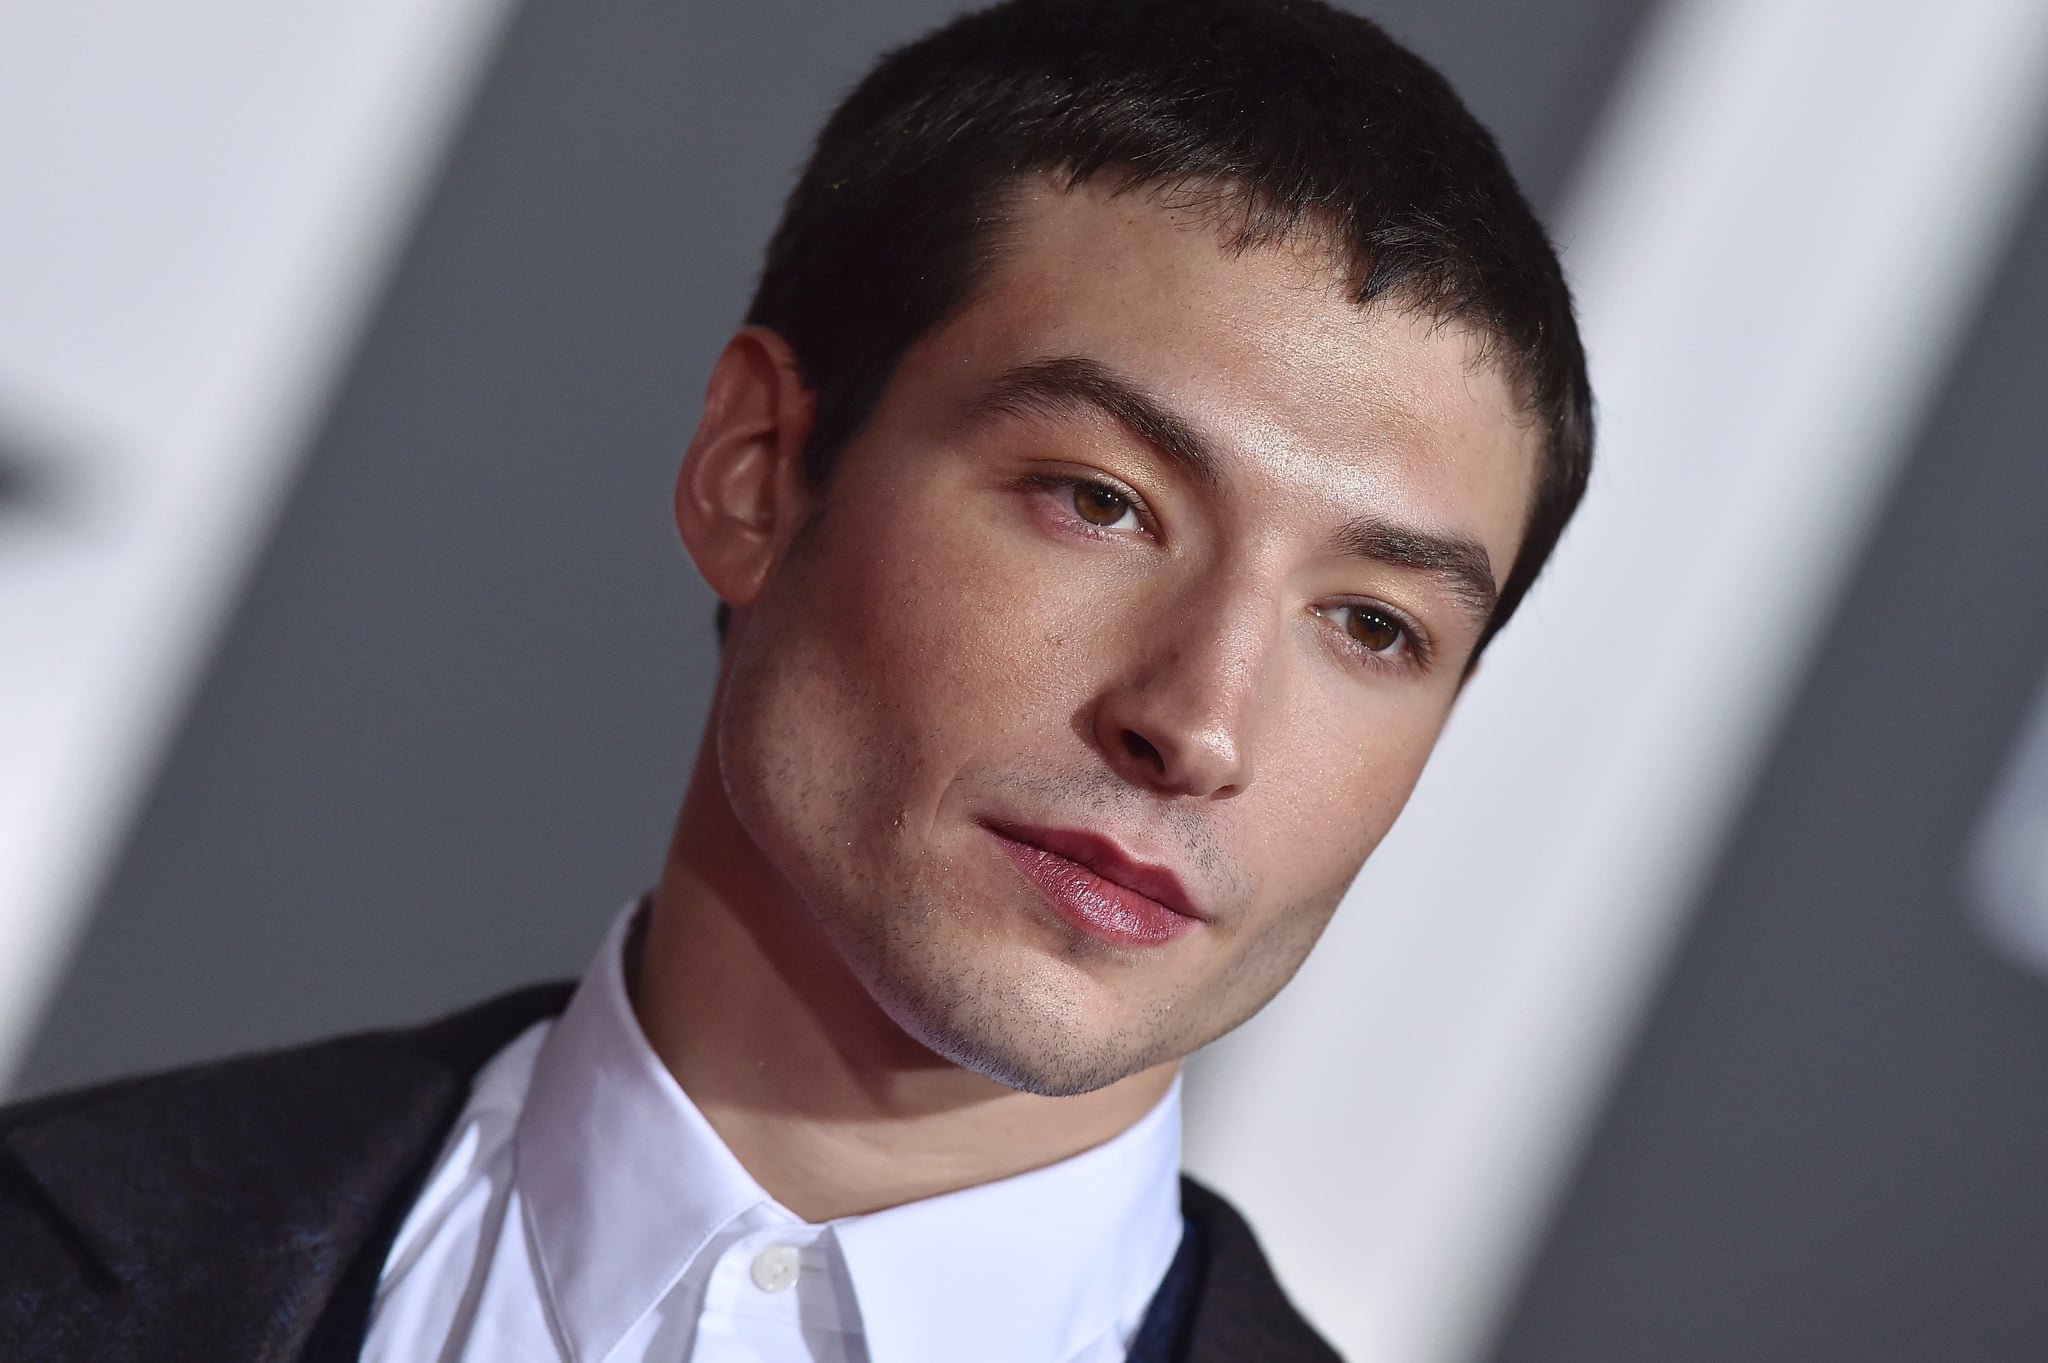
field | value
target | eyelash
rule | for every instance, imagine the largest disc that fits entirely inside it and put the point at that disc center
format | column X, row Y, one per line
column 1413, row 650
column 1072, row 483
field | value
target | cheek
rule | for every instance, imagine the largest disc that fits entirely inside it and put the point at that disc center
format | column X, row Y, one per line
column 1335, row 785
column 882, row 658
column 1312, row 834
column 963, row 627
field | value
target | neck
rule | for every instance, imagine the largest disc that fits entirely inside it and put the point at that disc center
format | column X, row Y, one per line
column 825, row 1100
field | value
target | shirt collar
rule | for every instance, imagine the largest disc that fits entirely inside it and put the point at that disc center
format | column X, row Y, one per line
column 624, row 1183
column 1027, row 1269
column 622, row 1179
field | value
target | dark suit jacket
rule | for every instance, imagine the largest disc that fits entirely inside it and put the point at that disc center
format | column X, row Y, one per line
column 240, row 1212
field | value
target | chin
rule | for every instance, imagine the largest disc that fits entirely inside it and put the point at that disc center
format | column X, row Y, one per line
column 1040, row 1026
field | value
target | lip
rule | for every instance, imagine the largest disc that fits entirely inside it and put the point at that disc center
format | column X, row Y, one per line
column 1098, row 887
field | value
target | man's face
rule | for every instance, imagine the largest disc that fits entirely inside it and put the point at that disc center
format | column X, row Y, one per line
column 1120, row 638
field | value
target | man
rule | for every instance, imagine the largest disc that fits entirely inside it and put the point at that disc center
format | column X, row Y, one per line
column 1147, row 414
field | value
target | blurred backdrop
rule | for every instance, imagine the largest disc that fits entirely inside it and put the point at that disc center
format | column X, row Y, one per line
column 1696, row 1010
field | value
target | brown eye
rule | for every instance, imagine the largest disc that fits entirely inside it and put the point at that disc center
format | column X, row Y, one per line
column 1097, row 505
column 1373, row 631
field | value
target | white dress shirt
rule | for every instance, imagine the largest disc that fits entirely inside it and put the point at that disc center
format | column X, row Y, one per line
column 583, row 1211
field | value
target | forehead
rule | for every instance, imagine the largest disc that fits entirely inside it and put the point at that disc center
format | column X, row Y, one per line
column 1262, row 348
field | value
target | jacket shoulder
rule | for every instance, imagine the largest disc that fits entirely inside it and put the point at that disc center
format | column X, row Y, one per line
column 215, row 1211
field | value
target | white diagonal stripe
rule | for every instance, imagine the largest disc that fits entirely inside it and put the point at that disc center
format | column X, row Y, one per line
column 201, row 200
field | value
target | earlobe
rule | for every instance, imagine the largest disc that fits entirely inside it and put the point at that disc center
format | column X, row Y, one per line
column 741, row 491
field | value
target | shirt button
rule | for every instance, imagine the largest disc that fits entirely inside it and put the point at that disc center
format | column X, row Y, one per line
column 775, row 1268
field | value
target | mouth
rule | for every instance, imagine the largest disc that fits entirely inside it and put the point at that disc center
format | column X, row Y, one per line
column 1098, row 887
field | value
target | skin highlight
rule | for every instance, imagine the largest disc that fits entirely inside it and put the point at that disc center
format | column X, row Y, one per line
column 1033, row 609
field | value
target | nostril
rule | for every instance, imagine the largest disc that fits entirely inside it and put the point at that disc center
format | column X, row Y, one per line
column 1141, row 748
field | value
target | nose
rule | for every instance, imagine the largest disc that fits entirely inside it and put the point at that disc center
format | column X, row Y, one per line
column 1179, row 719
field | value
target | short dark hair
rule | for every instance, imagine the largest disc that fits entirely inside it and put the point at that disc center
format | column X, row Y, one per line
column 1287, row 115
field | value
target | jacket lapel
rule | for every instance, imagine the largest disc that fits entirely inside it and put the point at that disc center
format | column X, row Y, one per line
column 239, row 1210
column 1220, row 1302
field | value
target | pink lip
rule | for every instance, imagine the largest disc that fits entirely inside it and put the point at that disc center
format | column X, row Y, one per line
column 1099, row 888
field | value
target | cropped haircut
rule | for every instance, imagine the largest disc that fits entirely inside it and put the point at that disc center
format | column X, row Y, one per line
column 1285, row 118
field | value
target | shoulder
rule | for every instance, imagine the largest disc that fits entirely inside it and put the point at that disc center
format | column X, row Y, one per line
column 168, row 1201
column 1238, row 1309
column 281, row 1081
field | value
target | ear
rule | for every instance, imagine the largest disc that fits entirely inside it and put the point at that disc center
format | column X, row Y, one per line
column 742, row 493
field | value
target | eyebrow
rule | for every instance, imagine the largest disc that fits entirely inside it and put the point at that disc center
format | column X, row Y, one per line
column 1460, row 563
column 1071, row 383
column 1066, row 384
